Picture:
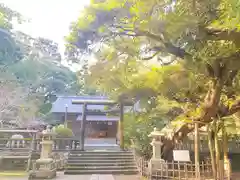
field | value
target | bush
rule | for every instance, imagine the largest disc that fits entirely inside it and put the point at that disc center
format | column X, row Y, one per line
column 138, row 128
column 62, row 131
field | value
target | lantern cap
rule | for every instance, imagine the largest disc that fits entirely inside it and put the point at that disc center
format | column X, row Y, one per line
column 155, row 133
column 48, row 132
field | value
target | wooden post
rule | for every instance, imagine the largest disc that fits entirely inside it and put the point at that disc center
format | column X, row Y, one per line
column 65, row 119
column 83, row 123
column 196, row 150
column 225, row 143
column 121, row 127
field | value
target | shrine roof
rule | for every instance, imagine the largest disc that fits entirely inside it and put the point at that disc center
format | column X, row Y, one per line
column 99, row 118
column 95, row 103
column 59, row 106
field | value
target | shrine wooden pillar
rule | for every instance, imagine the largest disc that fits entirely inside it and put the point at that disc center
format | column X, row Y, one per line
column 121, row 126
column 196, row 150
column 83, row 125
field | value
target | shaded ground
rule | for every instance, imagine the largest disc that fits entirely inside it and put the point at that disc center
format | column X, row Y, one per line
column 235, row 175
column 61, row 176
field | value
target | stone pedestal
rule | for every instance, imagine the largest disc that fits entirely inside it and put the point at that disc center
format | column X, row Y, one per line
column 44, row 167
column 156, row 162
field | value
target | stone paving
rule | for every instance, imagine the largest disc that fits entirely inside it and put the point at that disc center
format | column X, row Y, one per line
column 61, row 176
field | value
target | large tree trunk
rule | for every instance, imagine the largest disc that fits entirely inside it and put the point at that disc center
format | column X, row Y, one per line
column 210, row 108
column 225, row 144
column 196, row 151
column 217, row 151
column 227, row 166
column 211, row 149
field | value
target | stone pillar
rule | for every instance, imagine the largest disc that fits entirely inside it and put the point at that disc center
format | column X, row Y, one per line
column 156, row 162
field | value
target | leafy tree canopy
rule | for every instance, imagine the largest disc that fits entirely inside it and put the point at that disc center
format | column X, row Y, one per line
column 9, row 50
column 196, row 44
column 31, row 68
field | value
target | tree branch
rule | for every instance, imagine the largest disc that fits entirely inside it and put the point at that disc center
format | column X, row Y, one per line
column 151, row 57
column 220, row 34
column 228, row 111
column 210, row 107
column 167, row 46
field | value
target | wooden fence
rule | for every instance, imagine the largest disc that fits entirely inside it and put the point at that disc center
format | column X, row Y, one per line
column 176, row 170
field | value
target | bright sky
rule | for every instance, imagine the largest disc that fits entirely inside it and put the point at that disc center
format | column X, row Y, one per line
column 49, row 18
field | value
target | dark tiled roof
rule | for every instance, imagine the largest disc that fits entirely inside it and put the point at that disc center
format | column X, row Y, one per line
column 99, row 118
column 59, row 106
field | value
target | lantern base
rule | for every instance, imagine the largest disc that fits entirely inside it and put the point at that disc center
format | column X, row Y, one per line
column 156, row 165
column 45, row 169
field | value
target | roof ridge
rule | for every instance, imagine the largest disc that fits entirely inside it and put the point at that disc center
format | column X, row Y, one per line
column 82, row 96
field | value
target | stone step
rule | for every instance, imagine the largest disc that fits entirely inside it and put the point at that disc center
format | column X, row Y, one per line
column 130, row 163
column 100, row 155
column 99, row 160
column 101, row 168
column 115, row 172
column 100, row 151
column 101, row 147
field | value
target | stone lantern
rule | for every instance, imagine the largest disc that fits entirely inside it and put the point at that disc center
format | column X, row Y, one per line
column 47, row 144
column 44, row 167
column 156, row 162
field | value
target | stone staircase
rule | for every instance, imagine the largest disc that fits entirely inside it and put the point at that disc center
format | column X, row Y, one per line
column 101, row 162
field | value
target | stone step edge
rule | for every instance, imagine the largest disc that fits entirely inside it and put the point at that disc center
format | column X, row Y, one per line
column 91, row 157
column 100, row 150
column 96, row 167
column 100, row 164
column 101, row 154
column 100, row 161
column 101, row 172
column 98, row 158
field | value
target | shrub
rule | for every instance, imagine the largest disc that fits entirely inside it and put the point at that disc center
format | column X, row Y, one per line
column 62, row 131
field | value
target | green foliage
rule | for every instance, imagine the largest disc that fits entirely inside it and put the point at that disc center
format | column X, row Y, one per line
column 33, row 64
column 138, row 128
column 7, row 15
column 62, row 131
column 45, row 108
column 9, row 49
column 192, row 48
column 46, row 74
column 40, row 71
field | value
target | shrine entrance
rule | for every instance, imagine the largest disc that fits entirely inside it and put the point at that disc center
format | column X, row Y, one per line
column 100, row 131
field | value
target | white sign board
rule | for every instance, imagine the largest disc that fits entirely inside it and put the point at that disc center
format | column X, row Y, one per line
column 181, row 155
